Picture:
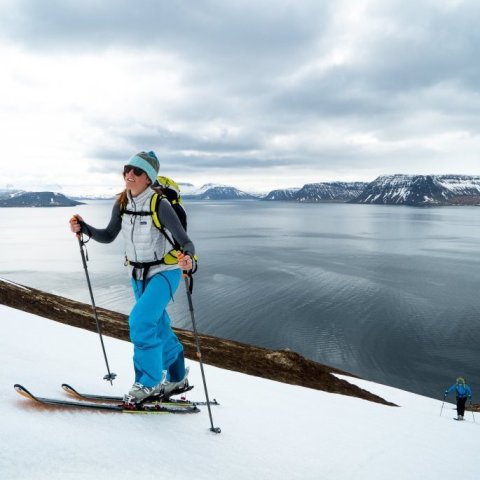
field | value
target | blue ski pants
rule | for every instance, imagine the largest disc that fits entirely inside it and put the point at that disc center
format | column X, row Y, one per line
column 155, row 347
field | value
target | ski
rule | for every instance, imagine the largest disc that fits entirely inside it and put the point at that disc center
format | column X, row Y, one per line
column 112, row 398
column 148, row 408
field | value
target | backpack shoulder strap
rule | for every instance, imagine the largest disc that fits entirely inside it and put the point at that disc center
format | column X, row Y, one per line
column 154, row 206
column 156, row 198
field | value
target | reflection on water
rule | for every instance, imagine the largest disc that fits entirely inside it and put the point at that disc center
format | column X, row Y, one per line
column 388, row 293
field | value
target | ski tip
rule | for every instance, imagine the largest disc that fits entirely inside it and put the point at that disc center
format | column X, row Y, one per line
column 68, row 388
column 22, row 390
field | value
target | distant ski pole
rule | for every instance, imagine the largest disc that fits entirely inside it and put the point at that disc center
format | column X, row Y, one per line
column 199, row 353
column 471, row 408
column 444, row 397
column 110, row 376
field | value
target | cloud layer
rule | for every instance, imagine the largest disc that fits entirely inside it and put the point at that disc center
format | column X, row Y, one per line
column 273, row 93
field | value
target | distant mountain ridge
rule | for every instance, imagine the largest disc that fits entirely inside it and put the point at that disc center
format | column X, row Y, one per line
column 38, row 199
column 399, row 189
column 422, row 190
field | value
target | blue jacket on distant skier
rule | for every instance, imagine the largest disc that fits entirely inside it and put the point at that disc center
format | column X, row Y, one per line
column 462, row 390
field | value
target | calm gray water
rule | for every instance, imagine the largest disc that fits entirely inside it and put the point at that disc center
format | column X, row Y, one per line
column 388, row 293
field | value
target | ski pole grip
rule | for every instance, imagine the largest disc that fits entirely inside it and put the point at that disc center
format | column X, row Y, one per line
column 180, row 255
column 77, row 218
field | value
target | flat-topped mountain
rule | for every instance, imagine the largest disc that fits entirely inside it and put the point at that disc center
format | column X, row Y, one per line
column 422, row 190
column 319, row 192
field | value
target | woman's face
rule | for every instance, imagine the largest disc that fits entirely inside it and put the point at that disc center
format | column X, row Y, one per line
column 136, row 180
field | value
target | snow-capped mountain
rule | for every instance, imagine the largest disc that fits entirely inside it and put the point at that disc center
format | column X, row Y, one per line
column 39, row 199
column 282, row 194
column 212, row 191
column 422, row 190
column 331, row 191
column 320, row 192
column 226, row 193
column 190, row 190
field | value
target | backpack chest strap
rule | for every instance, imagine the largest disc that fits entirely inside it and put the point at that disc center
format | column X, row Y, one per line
column 141, row 214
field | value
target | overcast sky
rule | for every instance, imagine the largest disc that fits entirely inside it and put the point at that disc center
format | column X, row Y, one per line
column 255, row 94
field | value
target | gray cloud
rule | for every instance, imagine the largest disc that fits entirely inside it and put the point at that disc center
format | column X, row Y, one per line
column 258, row 66
column 231, row 32
column 166, row 140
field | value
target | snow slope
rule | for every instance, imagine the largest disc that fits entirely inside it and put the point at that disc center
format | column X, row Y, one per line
column 269, row 430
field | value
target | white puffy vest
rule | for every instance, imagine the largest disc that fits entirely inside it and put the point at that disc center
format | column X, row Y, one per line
column 143, row 241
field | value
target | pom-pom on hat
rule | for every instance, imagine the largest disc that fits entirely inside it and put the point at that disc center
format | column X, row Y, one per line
column 148, row 162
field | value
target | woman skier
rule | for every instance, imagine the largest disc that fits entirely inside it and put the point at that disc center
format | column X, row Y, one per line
column 155, row 269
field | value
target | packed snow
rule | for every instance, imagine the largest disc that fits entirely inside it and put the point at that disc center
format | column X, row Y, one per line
column 270, row 430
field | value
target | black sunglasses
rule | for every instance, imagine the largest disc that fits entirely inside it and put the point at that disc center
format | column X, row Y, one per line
column 136, row 171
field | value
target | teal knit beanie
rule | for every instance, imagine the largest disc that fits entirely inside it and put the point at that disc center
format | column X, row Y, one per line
column 148, row 162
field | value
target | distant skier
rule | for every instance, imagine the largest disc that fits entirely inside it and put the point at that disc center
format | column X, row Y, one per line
column 155, row 270
column 463, row 391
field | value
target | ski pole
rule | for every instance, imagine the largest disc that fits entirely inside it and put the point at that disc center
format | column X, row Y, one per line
column 199, row 353
column 110, row 376
column 444, row 397
column 471, row 408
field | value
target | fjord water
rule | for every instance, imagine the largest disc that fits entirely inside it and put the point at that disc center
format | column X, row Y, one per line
column 388, row 293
